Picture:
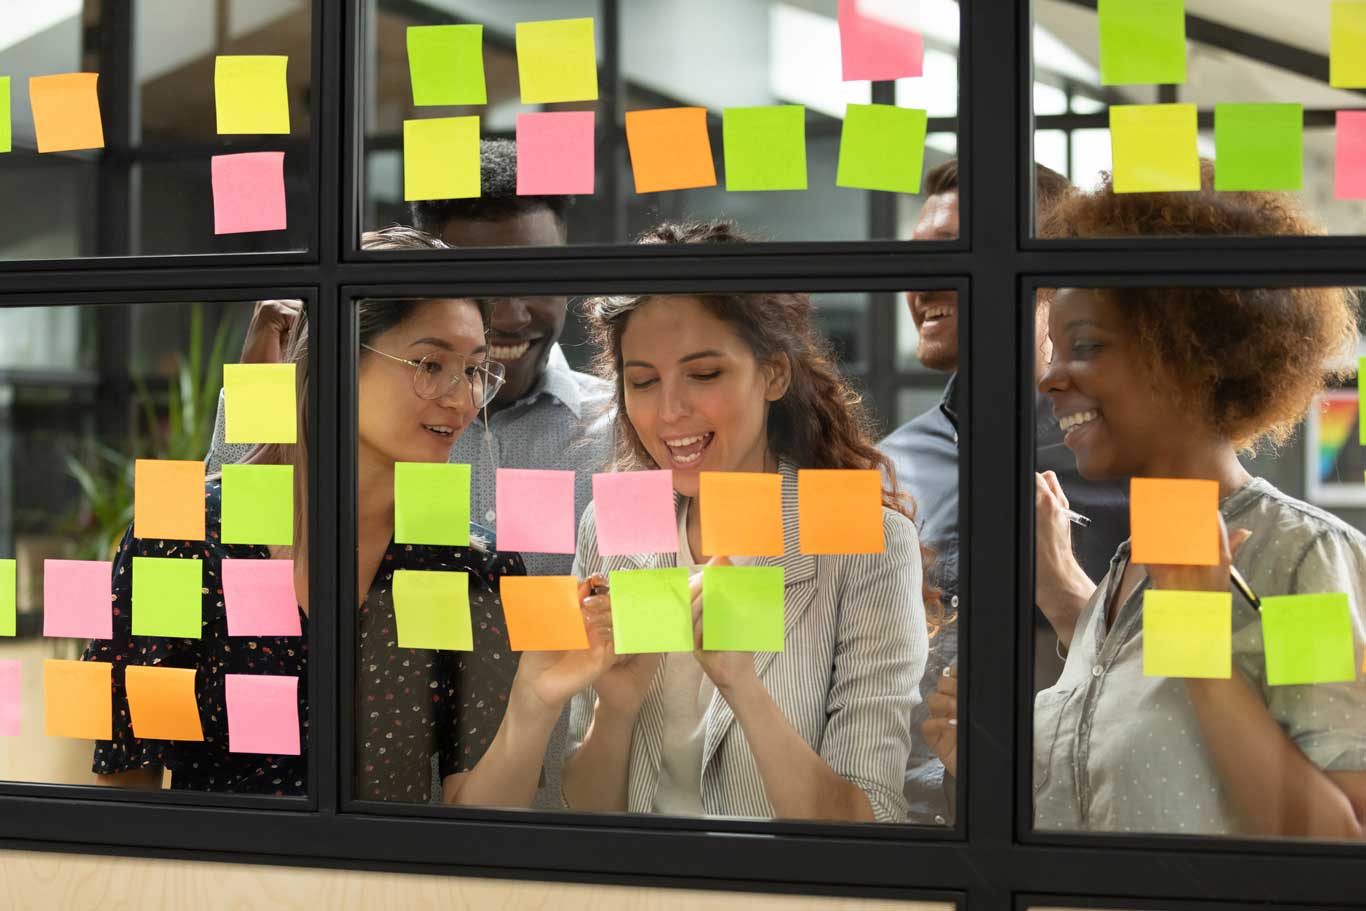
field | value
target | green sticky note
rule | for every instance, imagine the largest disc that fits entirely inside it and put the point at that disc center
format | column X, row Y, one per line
column 557, row 60
column 432, row 503
column 1308, row 639
column 446, row 64
column 765, row 148
column 882, row 147
column 251, row 94
column 1259, row 146
column 432, row 610
column 168, row 597
column 742, row 608
column 1187, row 634
column 1154, row 148
column 651, row 611
column 1142, row 41
column 1347, row 45
column 6, row 135
column 259, row 404
column 441, row 158
column 8, row 597
column 1361, row 399
column 258, row 504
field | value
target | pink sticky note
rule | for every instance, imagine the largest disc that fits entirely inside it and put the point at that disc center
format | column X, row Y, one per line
column 876, row 42
column 249, row 192
column 555, row 153
column 259, row 598
column 535, row 511
column 11, row 699
column 1351, row 155
column 635, row 512
column 263, row 714
column 78, row 599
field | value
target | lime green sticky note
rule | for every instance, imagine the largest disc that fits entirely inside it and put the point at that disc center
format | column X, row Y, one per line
column 765, row 148
column 258, row 504
column 259, row 403
column 432, row 610
column 1154, row 148
column 251, row 94
column 882, row 147
column 1361, row 399
column 6, row 137
column 742, row 608
column 1187, row 634
column 1259, row 146
column 1347, row 44
column 446, row 64
column 1308, row 639
column 441, row 158
column 651, row 611
column 432, row 503
column 168, row 597
column 557, row 60
column 1142, row 41
column 8, row 597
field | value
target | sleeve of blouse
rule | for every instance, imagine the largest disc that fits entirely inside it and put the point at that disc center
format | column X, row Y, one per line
column 586, row 562
column 221, row 452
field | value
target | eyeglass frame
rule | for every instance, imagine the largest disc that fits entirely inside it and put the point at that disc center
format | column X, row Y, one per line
column 493, row 384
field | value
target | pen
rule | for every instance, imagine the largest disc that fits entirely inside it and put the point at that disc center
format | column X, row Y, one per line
column 1241, row 584
column 1076, row 518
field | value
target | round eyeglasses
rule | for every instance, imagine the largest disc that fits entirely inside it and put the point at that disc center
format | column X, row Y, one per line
column 438, row 374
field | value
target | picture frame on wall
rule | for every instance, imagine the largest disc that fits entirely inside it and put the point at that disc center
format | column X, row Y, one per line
column 1335, row 460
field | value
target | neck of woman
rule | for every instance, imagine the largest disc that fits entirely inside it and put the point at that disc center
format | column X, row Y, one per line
column 1217, row 461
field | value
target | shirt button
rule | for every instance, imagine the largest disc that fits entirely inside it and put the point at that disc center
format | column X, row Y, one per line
column 488, row 516
column 1097, row 671
column 953, row 602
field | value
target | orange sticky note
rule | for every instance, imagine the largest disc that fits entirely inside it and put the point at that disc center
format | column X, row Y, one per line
column 543, row 613
column 66, row 112
column 742, row 514
column 670, row 149
column 168, row 500
column 78, row 699
column 1174, row 521
column 840, row 511
column 162, row 704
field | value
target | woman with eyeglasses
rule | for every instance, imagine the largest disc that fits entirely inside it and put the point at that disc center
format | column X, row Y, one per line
column 487, row 716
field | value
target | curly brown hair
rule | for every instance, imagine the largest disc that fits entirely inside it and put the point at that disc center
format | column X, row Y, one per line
column 1250, row 359
column 820, row 422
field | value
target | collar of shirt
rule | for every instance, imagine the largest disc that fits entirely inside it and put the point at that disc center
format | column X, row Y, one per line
column 557, row 381
column 949, row 403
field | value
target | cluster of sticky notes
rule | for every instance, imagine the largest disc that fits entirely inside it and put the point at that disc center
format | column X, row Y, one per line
column 251, row 97
column 66, row 112
column 742, row 610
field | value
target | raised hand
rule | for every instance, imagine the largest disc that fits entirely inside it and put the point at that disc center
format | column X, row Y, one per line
column 727, row 670
column 625, row 679
column 941, row 728
column 271, row 323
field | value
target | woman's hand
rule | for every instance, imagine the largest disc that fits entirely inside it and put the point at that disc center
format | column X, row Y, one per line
column 941, row 728
column 727, row 670
column 624, row 679
column 1061, row 586
column 1201, row 578
column 271, row 323
column 555, row 677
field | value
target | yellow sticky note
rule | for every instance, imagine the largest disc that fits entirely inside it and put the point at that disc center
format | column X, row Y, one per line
column 557, row 60
column 1187, row 634
column 1154, row 148
column 78, row 699
column 161, row 703
column 1347, row 45
column 251, row 94
column 441, row 158
column 742, row 513
column 259, row 403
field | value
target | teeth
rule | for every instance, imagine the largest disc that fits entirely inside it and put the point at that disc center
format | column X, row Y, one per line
column 686, row 460
column 439, row 428
column 508, row 352
column 684, row 441
column 1076, row 420
column 938, row 312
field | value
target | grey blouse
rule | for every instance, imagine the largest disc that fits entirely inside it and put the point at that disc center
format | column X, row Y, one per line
column 1117, row 751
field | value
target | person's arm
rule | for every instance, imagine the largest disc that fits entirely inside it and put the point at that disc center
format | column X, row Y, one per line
column 941, row 728
column 1061, row 587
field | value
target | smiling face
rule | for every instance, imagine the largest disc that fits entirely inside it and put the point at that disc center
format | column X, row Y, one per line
column 936, row 312
column 695, row 394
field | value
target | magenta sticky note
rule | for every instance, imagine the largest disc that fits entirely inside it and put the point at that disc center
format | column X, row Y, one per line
column 263, row 714
column 78, row 600
column 249, row 192
column 1351, row 155
column 555, row 153
column 876, row 41
column 259, row 598
column 635, row 512
column 535, row 511
column 11, row 699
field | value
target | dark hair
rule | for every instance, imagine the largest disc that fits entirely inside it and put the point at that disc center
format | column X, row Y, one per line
column 1050, row 187
column 498, row 199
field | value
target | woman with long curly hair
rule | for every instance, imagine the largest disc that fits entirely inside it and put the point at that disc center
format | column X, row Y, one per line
column 820, row 730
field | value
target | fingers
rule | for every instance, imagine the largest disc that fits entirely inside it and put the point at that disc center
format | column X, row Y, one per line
column 1055, row 486
column 948, row 686
column 1237, row 541
column 942, row 706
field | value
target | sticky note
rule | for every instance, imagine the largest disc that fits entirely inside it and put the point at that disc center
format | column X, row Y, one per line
column 1187, row 634
column 1350, row 171
column 1308, row 639
column 446, row 64
column 742, row 514
column 258, row 504
column 651, row 611
column 543, row 613
column 555, row 153
column 251, row 94
column 557, row 60
column 670, row 149
column 535, row 511
column 259, row 404
column 882, row 147
column 1361, row 399
column 635, row 512
column 1259, row 146
column 840, row 511
column 432, row 610
column 168, row 597
column 78, row 699
column 441, row 158
column 877, row 44
column 78, row 599
column 765, row 147
column 168, row 500
column 742, row 608
column 1142, row 41
column 432, row 503
column 8, row 597
column 259, row 598
column 11, row 699
column 1347, row 44
column 161, row 702
column 6, row 128
column 1174, row 521
column 248, row 192
column 263, row 714
column 66, row 112
column 1154, row 148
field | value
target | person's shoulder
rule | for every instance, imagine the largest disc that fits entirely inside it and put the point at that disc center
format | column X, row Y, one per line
column 1291, row 518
